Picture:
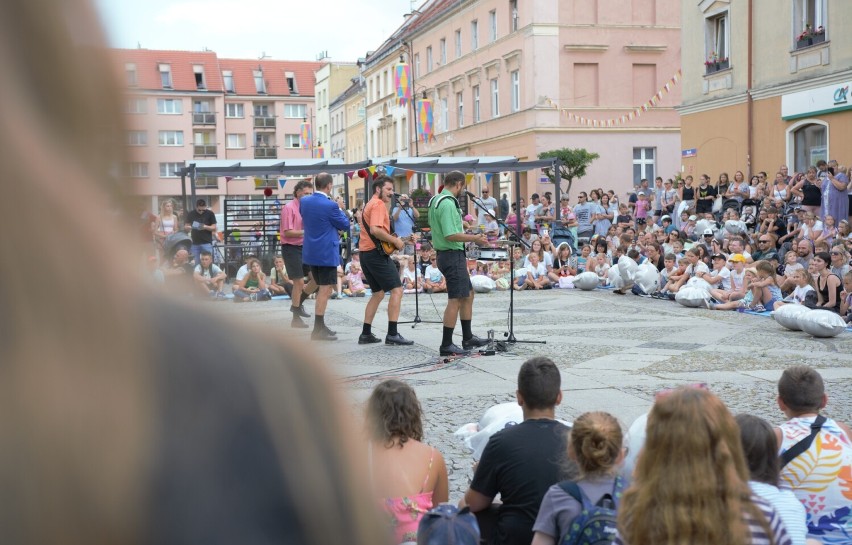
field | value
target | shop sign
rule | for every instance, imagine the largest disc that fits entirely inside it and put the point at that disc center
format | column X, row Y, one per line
column 822, row 100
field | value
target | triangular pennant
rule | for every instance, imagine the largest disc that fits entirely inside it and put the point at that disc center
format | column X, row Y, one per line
column 350, row 174
column 468, row 178
column 488, row 178
column 281, row 182
column 430, row 177
column 408, row 175
column 389, row 170
column 372, row 169
column 258, row 182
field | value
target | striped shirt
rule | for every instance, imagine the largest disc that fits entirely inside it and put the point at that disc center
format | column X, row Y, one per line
column 789, row 508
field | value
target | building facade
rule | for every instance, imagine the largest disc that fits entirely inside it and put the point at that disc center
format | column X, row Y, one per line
column 766, row 84
column 331, row 80
column 519, row 78
column 183, row 105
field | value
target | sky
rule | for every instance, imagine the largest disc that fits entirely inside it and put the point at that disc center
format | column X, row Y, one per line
column 281, row 29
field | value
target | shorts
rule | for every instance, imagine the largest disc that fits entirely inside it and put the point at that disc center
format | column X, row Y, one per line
column 640, row 221
column 453, row 265
column 323, row 275
column 379, row 271
column 293, row 261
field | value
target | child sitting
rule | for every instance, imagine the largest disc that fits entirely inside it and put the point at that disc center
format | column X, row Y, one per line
column 765, row 290
column 355, row 281
column 595, row 444
column 602, row 268
column 846, row 298
column 410, row 284
column 804, row 286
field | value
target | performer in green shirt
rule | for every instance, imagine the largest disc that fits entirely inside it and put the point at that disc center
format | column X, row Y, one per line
column 448, row 238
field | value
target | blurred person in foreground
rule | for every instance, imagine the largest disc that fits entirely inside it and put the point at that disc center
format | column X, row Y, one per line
column 122, row 421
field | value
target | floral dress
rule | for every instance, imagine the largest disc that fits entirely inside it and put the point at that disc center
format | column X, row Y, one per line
column 404, row 513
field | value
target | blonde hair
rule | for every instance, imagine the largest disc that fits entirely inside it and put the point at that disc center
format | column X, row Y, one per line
column 595, row 441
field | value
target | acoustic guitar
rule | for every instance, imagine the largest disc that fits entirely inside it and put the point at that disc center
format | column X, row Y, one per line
column 389, row 249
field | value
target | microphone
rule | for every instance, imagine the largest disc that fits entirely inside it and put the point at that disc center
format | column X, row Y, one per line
column 469, row 194
column 397, row 195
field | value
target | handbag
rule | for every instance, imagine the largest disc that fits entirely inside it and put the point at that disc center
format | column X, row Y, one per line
column 717, row 204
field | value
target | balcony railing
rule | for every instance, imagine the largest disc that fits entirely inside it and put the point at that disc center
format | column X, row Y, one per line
column 265, row 152
column 203, row 118
column 717, row 66
column 264, row 122
column 204, row 150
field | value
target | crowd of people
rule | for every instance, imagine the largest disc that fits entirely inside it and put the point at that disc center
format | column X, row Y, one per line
column 698, row 474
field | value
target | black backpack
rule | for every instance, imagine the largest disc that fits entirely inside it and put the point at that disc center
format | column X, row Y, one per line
column 596, row 523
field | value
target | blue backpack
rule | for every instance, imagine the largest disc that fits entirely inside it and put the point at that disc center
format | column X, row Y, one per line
column 596, row 523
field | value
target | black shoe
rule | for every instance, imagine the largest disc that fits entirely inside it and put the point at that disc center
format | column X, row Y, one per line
column 453, row 350
column 473, row 342
column 300, row 312
column 368, row 339
column 398, row 340
column 323, row 334
column 298, row 323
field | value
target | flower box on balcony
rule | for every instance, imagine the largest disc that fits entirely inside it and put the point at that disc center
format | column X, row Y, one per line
column 716, row 66
column 807, row 41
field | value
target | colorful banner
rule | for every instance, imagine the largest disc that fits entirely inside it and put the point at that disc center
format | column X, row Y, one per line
column 402, row 83
column 305, row 136
column 425, row 121
column 651, row 102
column 319, row 152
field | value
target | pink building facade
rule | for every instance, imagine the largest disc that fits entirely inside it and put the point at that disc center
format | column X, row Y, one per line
column 511, row 77
column 182, row 106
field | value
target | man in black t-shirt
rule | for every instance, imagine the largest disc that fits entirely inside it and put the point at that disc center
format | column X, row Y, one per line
column 202, row 222
column 521, row 462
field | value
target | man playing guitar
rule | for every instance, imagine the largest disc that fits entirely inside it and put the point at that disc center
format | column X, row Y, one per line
column 379, row 270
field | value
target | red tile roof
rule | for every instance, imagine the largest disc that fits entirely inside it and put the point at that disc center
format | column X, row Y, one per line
column 182, row 64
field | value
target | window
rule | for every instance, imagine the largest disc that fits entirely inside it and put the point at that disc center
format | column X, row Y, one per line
column 385, row 80
column 198, row 70
column 136, row 170
column 492, row 25
column 810, row 144
column 445, row 115
column 170, row 170
column 292, row 141
column 171, row 138
column 809, row 14
column 516, row 91
column 228, row 78
column 495, row 98
column 717, row 37
column 207, row 182
column 428, row 59
column 476, row 104
column 130, row 71
column 264, row 140
column 137, row 138
column 458, row 44
column 295, row 111
column 234, row 109
column 202, row 106
column 643, row 164
column 417, row 65
column 235, row 141
column 259, row 84
column 166, row 75
column 291, row 83
column 263, row 110
column 474, row 35
column 168, row 106
column 137, row 106
column 513, row 15
column 442, row 51
column 460, row 109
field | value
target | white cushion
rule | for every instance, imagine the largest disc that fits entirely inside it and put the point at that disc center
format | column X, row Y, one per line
column 822, row 323
column 615, row 278
column 788, row 316
column 586, row 281
column 648, row 277
column 691, row 296
column 627, row 268
column 699, row 283
column 482, row 284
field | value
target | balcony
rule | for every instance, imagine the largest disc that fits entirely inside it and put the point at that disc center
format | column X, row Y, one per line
column 716, row 66
column 203, row 118
column 204, row 150
column 265, row 152
column 813, row 39
column 264, row 122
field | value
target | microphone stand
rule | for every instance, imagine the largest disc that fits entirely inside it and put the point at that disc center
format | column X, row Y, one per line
column 417, row 319
column 510, row 336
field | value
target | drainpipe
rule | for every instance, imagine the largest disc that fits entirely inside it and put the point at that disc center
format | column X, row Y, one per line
column 749, row 98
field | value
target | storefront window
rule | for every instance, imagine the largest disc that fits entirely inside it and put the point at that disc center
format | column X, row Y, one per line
column 810, row 144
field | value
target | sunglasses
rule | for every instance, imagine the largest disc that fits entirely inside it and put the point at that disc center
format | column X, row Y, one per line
column 836, row 253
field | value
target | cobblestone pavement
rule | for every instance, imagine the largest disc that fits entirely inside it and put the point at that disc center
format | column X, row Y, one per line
column 614, row 352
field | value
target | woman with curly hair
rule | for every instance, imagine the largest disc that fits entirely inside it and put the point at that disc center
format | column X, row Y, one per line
column 690, row 484
column 408, row 476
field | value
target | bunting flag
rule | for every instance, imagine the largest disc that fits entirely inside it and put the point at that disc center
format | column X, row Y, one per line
column 468, row 178
column 425, row 126
column 372, row 170
column 258, row 182
column 350, row 174
column 389, row 170
column 488, row 177
column 402, row 83
column 430, row 177
column 228, row 178
column 282, row 182
column 621, row 120
column 408, row 175
column 305, row 136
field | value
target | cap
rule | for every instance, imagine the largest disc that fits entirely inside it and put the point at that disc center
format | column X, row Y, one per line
column 664, row 218
column 707, row 231
column 448, row 524
column 693, row 217
column 737, row 258
column 641, row 193
column 717, row 256
column 468, row 218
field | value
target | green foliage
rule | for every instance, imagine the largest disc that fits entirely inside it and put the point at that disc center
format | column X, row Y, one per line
column 573, row 164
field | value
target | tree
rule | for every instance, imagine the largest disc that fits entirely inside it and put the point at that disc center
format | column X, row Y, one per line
column 573, row 163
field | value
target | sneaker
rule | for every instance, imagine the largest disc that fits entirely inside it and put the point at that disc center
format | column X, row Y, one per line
column 220, row 295
column 708, row 302
column 323, row 334
column 758, row 308
column 297, row 323
column 300, row 312
column 398, row 340
column 368, row 339
column 474, row 342
column 335, row 295
column 347, row 292
column 453, row 350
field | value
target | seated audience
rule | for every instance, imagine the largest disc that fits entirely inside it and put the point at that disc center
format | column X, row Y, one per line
column 279, row 282
column 253, row 285
column 433, row 278
column 208, row 277
column 355, row 281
